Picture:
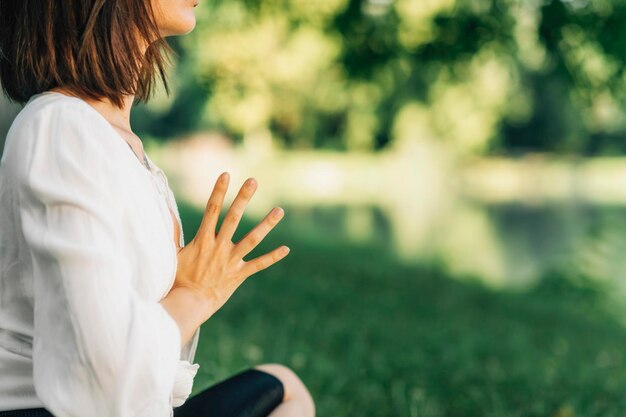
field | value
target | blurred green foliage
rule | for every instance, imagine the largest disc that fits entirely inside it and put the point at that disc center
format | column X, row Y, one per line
column 482, row 75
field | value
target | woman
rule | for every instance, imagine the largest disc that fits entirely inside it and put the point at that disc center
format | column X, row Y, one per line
column 100, row 303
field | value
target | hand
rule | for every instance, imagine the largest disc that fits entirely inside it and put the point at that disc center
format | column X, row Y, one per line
column 211, row 265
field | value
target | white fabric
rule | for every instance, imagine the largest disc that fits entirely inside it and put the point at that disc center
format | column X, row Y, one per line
column 86, row 254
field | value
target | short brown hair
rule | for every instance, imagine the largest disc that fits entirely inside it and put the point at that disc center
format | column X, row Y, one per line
column 92, row 48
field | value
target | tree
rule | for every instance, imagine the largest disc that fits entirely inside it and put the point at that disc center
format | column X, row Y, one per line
column 483, row 75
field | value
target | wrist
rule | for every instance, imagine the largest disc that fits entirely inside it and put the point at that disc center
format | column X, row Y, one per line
column 194, row 301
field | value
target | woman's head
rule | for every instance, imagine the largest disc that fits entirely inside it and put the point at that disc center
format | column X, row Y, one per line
column 93, row 48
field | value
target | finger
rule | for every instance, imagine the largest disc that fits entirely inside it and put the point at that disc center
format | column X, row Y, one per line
column 256, row 235
column 264, row 261
column 235, row 212
column 213, row 207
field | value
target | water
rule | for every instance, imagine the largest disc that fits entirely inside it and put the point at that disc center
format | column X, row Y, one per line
column 504, row 221
column 503, row 245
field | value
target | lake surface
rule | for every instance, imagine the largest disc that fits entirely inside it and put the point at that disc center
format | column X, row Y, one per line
column 506, row 222
column 509, row 245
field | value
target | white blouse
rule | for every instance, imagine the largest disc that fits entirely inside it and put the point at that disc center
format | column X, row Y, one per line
column 87, row 252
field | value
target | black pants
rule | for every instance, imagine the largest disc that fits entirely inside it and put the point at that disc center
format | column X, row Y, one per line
column 250, row 393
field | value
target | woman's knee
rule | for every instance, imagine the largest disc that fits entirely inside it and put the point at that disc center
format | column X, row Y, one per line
column 294, row 387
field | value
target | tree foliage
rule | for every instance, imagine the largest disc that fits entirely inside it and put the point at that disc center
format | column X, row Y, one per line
column 481, row 75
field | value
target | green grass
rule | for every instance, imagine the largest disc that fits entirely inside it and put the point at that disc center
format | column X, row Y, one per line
column 371, row 337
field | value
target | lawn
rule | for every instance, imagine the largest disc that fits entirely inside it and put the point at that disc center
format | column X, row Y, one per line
column 372, row 337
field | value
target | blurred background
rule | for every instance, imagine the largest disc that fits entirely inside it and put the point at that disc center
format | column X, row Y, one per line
column 453, row 175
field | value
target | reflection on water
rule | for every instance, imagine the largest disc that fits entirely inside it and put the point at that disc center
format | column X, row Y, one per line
column 503, row 221
column 501, row 244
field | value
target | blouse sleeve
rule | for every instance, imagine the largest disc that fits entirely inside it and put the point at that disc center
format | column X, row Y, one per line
column 99, row 347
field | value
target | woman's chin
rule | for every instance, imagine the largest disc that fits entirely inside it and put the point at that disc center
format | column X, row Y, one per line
column 188, row 28
column 180, row 25
column 181, row 28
